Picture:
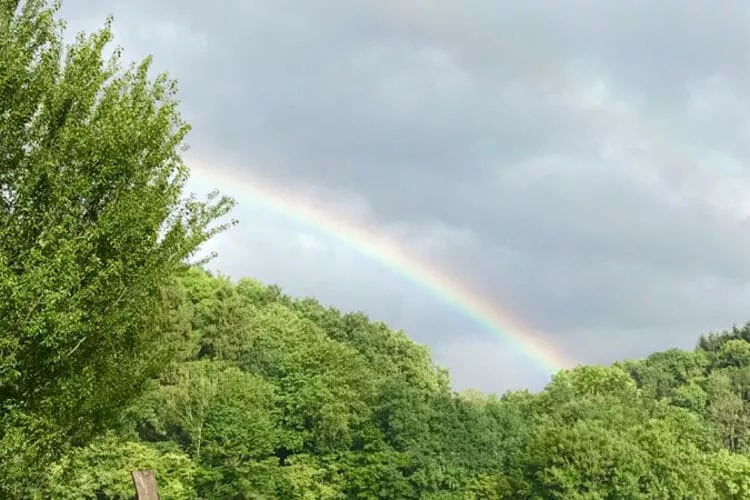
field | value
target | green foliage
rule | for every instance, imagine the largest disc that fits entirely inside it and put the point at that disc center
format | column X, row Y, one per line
column 117, row 355
column 103, row 468
column 354, row 410
column 93, row 229
column 731, row 473
column 305, row 405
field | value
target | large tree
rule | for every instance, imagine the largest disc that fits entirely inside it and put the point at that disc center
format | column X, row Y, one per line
column 93, row 226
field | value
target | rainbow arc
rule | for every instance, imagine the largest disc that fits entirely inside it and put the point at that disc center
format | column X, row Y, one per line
column 378, row 247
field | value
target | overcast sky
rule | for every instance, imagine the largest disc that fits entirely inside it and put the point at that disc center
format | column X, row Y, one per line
column 580, row 164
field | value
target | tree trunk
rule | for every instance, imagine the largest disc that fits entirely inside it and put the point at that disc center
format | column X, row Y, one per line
column 145, row 485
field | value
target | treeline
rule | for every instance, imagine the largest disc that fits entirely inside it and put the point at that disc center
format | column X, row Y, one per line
column 274, row 397
column 117, row 353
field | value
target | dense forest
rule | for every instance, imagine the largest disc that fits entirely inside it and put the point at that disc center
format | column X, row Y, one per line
column 119, row 351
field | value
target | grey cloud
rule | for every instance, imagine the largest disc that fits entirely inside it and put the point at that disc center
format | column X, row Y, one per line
column 588, row 156
column 477, row 363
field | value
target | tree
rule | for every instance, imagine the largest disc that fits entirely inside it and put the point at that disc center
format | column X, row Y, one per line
column 661, row 373
column 226, row 421
column 103, row 468
column 728, row 412
column 733, row 353
column 93, row 226
column 731, row 473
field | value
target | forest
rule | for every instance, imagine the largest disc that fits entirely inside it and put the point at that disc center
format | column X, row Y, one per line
column 120, row 351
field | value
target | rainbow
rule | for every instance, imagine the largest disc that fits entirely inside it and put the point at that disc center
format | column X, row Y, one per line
column 383, row 250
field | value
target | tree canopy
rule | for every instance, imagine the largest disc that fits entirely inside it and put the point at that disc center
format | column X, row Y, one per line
column 93, row 228
column 297, row 400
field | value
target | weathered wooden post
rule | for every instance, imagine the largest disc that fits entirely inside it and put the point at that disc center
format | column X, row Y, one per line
column 145, row 485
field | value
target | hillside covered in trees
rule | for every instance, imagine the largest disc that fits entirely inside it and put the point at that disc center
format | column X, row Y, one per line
column 274, row 397
column 118, row 351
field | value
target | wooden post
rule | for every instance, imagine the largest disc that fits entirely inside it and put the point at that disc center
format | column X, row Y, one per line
column 145, row 485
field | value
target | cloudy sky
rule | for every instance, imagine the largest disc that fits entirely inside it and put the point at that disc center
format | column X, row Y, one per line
column 579, row 164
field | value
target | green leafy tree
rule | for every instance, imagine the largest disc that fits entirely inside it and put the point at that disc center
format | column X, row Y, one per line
column 712, row 342
column 93, row 226
column 103, row 470
column 662, row 373
column 733, row 353
column 728, row 411
column 731, row 473
column 309, row 477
